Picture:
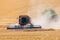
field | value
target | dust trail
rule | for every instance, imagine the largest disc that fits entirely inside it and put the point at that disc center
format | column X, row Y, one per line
column 47, row 19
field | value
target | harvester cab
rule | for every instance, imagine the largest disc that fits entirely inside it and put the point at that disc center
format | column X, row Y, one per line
column 24, row 19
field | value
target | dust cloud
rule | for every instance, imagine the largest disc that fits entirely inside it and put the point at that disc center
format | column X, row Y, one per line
column 46, row 18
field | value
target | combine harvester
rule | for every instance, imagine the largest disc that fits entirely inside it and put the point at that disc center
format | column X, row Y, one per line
column 24, row 23
column 48, row 20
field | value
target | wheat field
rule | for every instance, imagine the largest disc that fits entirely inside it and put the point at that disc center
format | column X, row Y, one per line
column 28, row 35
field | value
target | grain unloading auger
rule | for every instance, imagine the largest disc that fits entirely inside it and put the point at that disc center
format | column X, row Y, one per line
column 24, row 23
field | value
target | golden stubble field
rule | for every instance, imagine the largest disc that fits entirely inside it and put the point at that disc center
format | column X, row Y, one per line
column 28, row 35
